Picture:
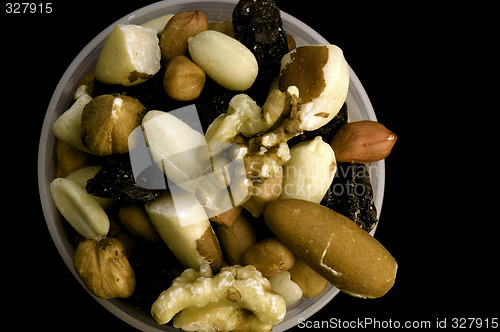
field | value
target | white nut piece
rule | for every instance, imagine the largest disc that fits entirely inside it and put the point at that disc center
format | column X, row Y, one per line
column 178, row 149
column 80, row 209
column 130, row 55
column 82, row 176
column 158, row 24
column 68, row 126
column 236, row 286
column 212, row 317
column 309, row 172
column 224, row 59
column 284, row 286
column 184, row 227
column 243, row 116
column 218, row 317
column 322, row 76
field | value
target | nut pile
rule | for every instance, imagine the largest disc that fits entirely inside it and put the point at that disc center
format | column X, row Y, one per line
column 240, row 207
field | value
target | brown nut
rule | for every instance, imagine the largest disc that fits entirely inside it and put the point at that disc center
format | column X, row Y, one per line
column 236, row 239
column 225, row 27
column 183, row 79
column 108, row 120
column 269, row 256
column 334, row 246
column 86, row 85
column 185, row 24
column 291, row 42
column 310, row 282
column 264, row 192
column 363, row 142
column 104, row 268
column 69, row 159
column 229, row 217
column 136, row 221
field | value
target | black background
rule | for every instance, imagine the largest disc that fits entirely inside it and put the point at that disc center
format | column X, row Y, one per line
column 437, row 220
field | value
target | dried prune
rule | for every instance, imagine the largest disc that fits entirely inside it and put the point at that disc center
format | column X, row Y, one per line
column 351, row 195
column 258, row 25
column 116, row 180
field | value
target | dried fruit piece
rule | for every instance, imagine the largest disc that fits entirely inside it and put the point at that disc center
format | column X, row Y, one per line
column 351, row 195
column 258, row 26
column 116, row 180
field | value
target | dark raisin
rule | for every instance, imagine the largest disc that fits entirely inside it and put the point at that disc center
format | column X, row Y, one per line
column 116, row 180
column 258, row 25
column 351, row 195
column 326, row 132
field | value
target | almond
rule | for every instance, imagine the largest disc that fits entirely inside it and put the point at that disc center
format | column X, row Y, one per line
column 363, row 142
column 181, row 26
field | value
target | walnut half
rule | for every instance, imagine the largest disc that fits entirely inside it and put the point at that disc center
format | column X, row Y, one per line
column 104, row 268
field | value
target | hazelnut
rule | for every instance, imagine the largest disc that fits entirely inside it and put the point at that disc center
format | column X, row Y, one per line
column 269, row 256
column 183, row 79
column 108, row 120
column 104, row 268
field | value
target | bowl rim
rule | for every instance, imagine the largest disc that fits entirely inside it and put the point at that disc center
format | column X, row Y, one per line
column 63, row 245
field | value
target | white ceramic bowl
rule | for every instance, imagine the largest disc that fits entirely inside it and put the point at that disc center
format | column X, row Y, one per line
column 215, row 10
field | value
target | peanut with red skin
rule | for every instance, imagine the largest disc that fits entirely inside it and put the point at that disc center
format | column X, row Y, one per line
column 363, row 142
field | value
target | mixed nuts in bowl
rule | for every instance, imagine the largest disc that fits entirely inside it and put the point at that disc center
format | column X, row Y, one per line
column 169, row 118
